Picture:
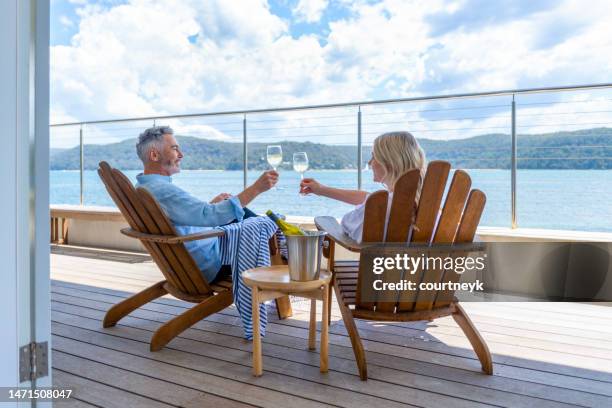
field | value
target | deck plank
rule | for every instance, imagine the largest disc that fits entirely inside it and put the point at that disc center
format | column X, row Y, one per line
column 274, row 390
column 544, row 355
column 520, row 374
column 294, row 349
column 165, row 391
column 102, row 395
column 387, row 384
column 108, row 360
column 453, row 346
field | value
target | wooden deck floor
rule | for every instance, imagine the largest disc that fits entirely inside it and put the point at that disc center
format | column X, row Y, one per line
column 545, row 354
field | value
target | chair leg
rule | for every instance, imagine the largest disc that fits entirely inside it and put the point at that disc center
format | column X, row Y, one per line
column 351, row 328
column 330, row 289
column 182, row 322
column 478, row 344
column 331, row 259
column 283, row 307
column 127, row 306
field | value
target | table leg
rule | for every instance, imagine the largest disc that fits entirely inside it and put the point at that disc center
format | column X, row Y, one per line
column 324, row 331
column 257, row 365
column 312, row 329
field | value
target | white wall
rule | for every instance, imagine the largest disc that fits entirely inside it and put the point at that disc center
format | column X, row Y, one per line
column 24, row 206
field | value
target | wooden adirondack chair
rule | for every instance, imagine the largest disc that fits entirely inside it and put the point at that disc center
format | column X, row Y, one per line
column 183, row 278
column 457, row 222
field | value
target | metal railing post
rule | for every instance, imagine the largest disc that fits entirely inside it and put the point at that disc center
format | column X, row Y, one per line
column 359, row 149
column 244, row 151
column 81, row 162
column 514, row 165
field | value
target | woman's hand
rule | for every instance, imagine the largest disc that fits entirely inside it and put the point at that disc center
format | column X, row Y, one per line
column 310, row 185
column 220, row 197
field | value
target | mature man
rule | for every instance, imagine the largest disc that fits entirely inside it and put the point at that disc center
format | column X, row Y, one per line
column 161, row 156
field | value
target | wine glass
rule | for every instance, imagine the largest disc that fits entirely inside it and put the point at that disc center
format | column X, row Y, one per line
column 274, row 155
column 300, row 163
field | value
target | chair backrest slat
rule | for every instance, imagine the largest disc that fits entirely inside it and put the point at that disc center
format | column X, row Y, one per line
column 471, row 217
column 401, row 217
column 373, row 231
column 105, row 173
column 445, row 233
column 453, row 208
column 403, row 206
column 465, row 234
column 429, row 203
column 427, row 213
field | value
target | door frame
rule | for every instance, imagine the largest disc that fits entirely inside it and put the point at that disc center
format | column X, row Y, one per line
column 24, row 179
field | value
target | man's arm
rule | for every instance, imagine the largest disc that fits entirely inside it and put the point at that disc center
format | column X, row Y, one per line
column 184, row 209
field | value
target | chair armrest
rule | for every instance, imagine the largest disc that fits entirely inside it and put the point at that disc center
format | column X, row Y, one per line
column 336, row 234
column 171, row 239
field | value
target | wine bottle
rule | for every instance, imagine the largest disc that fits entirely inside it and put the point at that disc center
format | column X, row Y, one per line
column 287, row 228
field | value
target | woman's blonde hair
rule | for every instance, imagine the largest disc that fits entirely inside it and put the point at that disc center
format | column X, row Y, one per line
column 398, row 152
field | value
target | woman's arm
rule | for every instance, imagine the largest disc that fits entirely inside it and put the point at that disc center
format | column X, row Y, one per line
column 354, row 197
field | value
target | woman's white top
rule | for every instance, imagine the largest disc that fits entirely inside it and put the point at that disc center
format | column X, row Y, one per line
column 352, row 222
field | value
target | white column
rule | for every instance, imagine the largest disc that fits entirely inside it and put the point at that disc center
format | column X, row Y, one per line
column 24, row 182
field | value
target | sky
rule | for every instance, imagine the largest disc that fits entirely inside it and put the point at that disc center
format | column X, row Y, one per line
column 135, row 58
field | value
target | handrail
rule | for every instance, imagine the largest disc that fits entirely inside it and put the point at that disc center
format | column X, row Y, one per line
column 354, row 104
column 359, row 132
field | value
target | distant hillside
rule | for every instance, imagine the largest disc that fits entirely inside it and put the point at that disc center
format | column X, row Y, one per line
column 560, row 150
column 207, row 155
column 54, row 150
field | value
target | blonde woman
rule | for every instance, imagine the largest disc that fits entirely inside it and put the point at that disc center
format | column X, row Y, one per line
column 393, row 154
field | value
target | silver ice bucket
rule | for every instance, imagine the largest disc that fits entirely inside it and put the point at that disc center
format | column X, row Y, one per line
column 305, row 252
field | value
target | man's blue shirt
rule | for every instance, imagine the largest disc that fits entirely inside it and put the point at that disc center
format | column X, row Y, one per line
column 190, row 215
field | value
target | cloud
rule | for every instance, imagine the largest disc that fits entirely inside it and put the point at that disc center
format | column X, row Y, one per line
column 310, row 11
column 148, row 58
column 65, row 21
column 137, row 59
column 473, row 15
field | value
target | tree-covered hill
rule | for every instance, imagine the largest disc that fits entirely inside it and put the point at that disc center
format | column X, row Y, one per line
column 582, row 149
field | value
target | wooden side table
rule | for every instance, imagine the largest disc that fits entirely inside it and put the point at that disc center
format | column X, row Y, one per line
column 272, row 282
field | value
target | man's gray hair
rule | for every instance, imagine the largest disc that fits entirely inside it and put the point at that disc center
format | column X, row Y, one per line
column 151, row 137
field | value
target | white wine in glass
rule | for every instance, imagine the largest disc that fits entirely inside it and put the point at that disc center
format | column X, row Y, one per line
column 274, row 154
column 300, row 163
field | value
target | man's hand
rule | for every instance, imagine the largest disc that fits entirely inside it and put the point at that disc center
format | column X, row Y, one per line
column 220, row 197
column 266, row 181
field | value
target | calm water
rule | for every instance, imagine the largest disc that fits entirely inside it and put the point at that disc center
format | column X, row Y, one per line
column 555, row 199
